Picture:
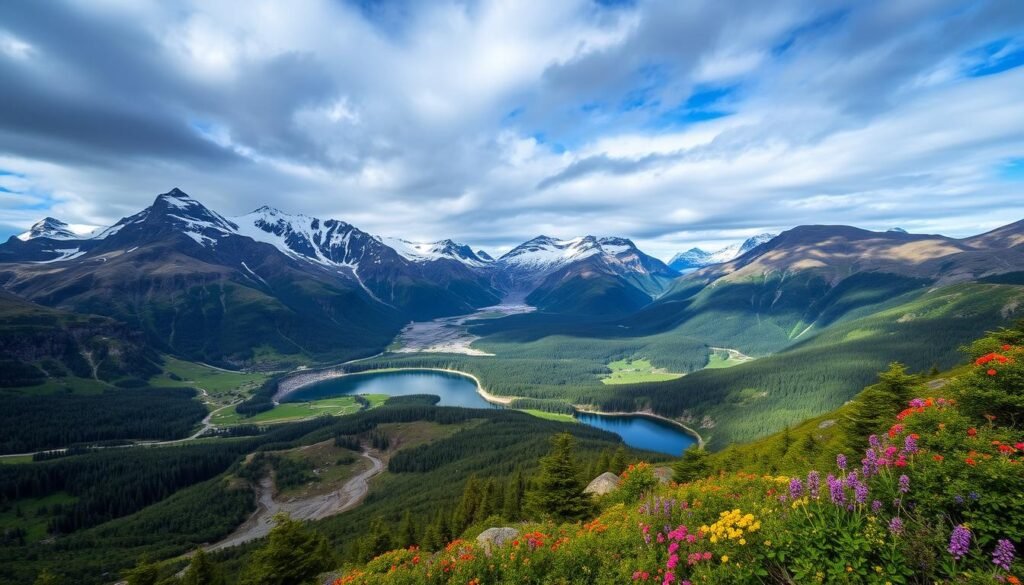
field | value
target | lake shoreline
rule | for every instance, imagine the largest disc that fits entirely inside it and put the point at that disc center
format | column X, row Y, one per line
column 334, row 372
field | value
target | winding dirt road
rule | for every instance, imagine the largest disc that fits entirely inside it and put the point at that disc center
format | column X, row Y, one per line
column 259, row 524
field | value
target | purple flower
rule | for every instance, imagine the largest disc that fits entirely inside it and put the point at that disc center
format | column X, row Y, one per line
column 904, row 484
column 796, row 488
column 841, row 461
column 870, row 461
column 910, row 444
column 813, row 483
column 850, row 480
column 959, row 542
column 917, row 403
column 874, row 442
column 835, row 490
column 896, row 525
column 876, row 506
column 958, row 499
column 860, row 492
column 973, row 495
column 1004, row 554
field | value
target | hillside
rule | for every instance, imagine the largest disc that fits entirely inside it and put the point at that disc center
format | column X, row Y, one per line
column 924, row 500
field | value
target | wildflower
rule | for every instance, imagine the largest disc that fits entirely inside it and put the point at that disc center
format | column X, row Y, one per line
column 1004, row 554
column 725, row 558
column 870, row 462
column 813, row 483
column 835, row 489
column 970, row 461
column 910, row 444
column 959, row 542
column 874, row 442
column 860, row 492
column 841, row 461
column 972, row 432
column 973, row 495
column 796, row 488
column 896, row 525
column 876, row 506
column 904, row 482
column 990, row 372
column 938, row 457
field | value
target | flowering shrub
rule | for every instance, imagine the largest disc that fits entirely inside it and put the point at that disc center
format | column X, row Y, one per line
column 939, row 497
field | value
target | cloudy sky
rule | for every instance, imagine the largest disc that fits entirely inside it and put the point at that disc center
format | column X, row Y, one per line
column 671, row 122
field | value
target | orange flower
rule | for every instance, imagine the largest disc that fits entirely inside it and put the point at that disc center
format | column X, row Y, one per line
column 937, row 457
column 972, row 432
column 970, row 461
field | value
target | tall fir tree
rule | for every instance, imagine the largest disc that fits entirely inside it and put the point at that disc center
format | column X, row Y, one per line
column 618, row 463
column 693, row 465
column 558, row 492
column 293, row 555
column 878, row 403
column 202, row 571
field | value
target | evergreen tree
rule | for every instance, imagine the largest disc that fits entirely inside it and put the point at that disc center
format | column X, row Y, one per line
column 145, row 573
column 201, row 571
column 466, row 511
column 46, row 578
column 293, row 555
column 604, row 462
column 618, row 462
column 512, row 508
column 692, row 465
column 376, row 541
column 877, row 404
column 406, row 531
column 558, row 491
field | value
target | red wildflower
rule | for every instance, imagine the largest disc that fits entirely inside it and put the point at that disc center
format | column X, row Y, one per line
column 1006, row 347
column 970, row 461
column 972, row 432
column 991, row 372
column 937, row 457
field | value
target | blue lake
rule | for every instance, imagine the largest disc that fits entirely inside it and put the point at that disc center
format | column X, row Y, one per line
column 455, row 390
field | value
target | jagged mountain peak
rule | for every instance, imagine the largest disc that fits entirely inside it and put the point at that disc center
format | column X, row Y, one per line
column 698, row 258
column 49, row 227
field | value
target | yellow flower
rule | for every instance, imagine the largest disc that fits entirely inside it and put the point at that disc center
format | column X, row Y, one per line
column 743, row 541
column 725, row 558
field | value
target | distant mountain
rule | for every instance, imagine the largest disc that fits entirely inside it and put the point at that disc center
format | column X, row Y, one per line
column 697, row 258
column 811, row 276
column 51, row 228
column 583, row 275
column 442, row 250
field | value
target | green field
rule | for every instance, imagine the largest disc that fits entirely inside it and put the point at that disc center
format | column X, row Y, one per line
column 299, row 410
column 30, row 515
column 216, row 382
column 635, row 371
column 723, row 359
column 549, row 415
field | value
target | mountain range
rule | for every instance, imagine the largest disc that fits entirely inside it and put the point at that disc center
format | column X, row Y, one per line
column 269, row 283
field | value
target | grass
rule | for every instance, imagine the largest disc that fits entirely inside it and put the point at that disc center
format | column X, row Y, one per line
column 64, row 385
column 722, row 359
column 337, row 406
column 549, row 415
column 633, row 371
column 216, row 382
column 30, row 514
column 16, row 459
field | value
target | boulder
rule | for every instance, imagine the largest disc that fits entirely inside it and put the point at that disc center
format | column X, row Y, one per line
column 664, row 474
column 603, row 484
column 495, row 537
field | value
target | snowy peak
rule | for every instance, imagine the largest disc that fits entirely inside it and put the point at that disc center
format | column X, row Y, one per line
column 324, row 241
column 545, row 252
column 431, row 251
column 698, row 258
column 51, row 228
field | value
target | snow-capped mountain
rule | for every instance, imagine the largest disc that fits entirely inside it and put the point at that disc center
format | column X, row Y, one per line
column 697, row 258
column 442, row 250
column 49, row 227
column 544, row 262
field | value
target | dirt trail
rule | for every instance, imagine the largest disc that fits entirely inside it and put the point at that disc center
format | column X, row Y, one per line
column 259, row 524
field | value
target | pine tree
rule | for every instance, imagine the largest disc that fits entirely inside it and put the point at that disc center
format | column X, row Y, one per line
column 406, row 531
column 145, row 573
column 45, row 577
column 604, row 462
column 201, row 571
column 466, row 511
column 618, row 462
column 878, row 403
column 376, row 541
column 558, row 491
column 693, row 465
column 293, row 555
column 512, row 508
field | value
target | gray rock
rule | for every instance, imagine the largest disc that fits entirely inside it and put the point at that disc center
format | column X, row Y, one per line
column 664, row 474
column 827, row 423
column 603, row 484
column 496, row 537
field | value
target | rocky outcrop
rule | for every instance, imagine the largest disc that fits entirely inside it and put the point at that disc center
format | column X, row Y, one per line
column 605, row 483
column 496, row 537
column 664, row 474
